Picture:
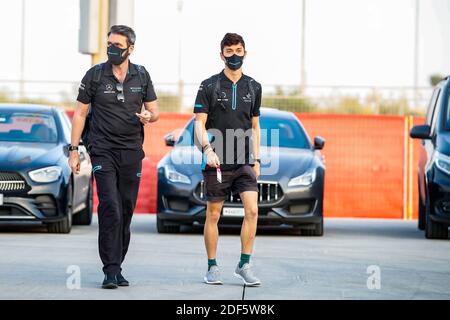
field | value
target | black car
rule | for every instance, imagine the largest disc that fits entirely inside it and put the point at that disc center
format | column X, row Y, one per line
column 434, row 164
column 36, row 183
column 290, row 192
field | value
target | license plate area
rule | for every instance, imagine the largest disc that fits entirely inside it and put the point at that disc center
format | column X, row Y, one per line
column 233, row 212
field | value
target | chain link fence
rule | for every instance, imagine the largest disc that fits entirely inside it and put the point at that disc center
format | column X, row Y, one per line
column 180, row 97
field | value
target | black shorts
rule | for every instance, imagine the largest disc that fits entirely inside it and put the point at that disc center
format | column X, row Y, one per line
column 236, row 181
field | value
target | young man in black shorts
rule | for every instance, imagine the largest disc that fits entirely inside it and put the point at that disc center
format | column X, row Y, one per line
column 227, row 109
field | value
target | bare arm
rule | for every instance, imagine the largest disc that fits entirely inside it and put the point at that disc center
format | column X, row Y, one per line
column 256, row 137
column 153, row 108
column 200, row 129
column 201, row 136
column 150, row 113
column 78, row 122
column 256, row 144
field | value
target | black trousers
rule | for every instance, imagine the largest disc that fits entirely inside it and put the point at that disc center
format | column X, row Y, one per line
column 117, row 175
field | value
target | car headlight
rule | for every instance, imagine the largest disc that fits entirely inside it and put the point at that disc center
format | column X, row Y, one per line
column 306, row 179
column 45, row 175
column 442, row 162
column 174, row 176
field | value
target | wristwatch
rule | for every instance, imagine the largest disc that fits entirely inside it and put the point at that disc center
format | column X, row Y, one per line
column 258, row 160
column 73, row 148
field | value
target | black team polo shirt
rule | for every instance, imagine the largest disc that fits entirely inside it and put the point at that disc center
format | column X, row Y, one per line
column 232, row 110
column 113, row 123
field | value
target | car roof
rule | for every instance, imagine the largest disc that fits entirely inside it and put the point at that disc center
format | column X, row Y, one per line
column 444, row 82
column 37, row 108
column 275, row 113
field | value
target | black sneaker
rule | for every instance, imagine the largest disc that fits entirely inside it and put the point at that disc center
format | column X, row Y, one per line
column 110, row 282
column 121, row 281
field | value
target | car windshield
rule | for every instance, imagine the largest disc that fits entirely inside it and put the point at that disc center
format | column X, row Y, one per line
column 285, row 133
column 27, row 127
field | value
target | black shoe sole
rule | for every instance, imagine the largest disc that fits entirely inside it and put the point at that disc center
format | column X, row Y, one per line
column 109, row 286
column 123, row 284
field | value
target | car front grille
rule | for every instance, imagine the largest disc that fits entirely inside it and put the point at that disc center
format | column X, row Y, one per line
column 12, row 182
column 268, row 192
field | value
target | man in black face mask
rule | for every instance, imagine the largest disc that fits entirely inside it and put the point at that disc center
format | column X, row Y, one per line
column 110, row 100
column 228, row 104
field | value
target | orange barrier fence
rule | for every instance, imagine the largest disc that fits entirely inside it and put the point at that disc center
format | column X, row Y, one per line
column 371, row 163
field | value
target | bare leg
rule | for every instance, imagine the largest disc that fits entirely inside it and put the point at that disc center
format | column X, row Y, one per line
column 248, row 230
column 211, row 231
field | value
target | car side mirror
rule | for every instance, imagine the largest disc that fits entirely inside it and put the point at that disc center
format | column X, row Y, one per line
column 169, row 139
column 420, row 132
column 319, row 143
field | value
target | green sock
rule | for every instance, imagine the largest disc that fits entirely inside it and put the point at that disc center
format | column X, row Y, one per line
column 211, row 262
column 245, row 258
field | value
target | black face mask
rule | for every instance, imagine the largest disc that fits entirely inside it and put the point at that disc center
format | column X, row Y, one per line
column 115, row 55
column 234, row 62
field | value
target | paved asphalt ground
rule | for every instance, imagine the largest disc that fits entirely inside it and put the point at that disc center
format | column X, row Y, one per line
column 33, row 263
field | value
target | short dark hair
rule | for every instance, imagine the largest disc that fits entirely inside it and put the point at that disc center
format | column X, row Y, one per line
column 231, row 39
column 124, row 31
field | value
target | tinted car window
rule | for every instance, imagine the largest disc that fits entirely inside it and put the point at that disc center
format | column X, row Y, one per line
column 187, row 136
column 290, row 133
column 437, row 114
column 447, row 104
column 66, row 124
column 27, row 127
column 430, row 109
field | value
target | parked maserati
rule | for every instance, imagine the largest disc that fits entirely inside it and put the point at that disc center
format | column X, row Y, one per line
column 291, row 185
column 36, row 183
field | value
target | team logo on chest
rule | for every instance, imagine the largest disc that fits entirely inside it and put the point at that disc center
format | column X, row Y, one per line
column 136, row 89
column 247, row 98
column 222, row 97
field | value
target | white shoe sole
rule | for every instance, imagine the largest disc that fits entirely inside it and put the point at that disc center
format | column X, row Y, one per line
column 212, row 282
column 253, row 284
